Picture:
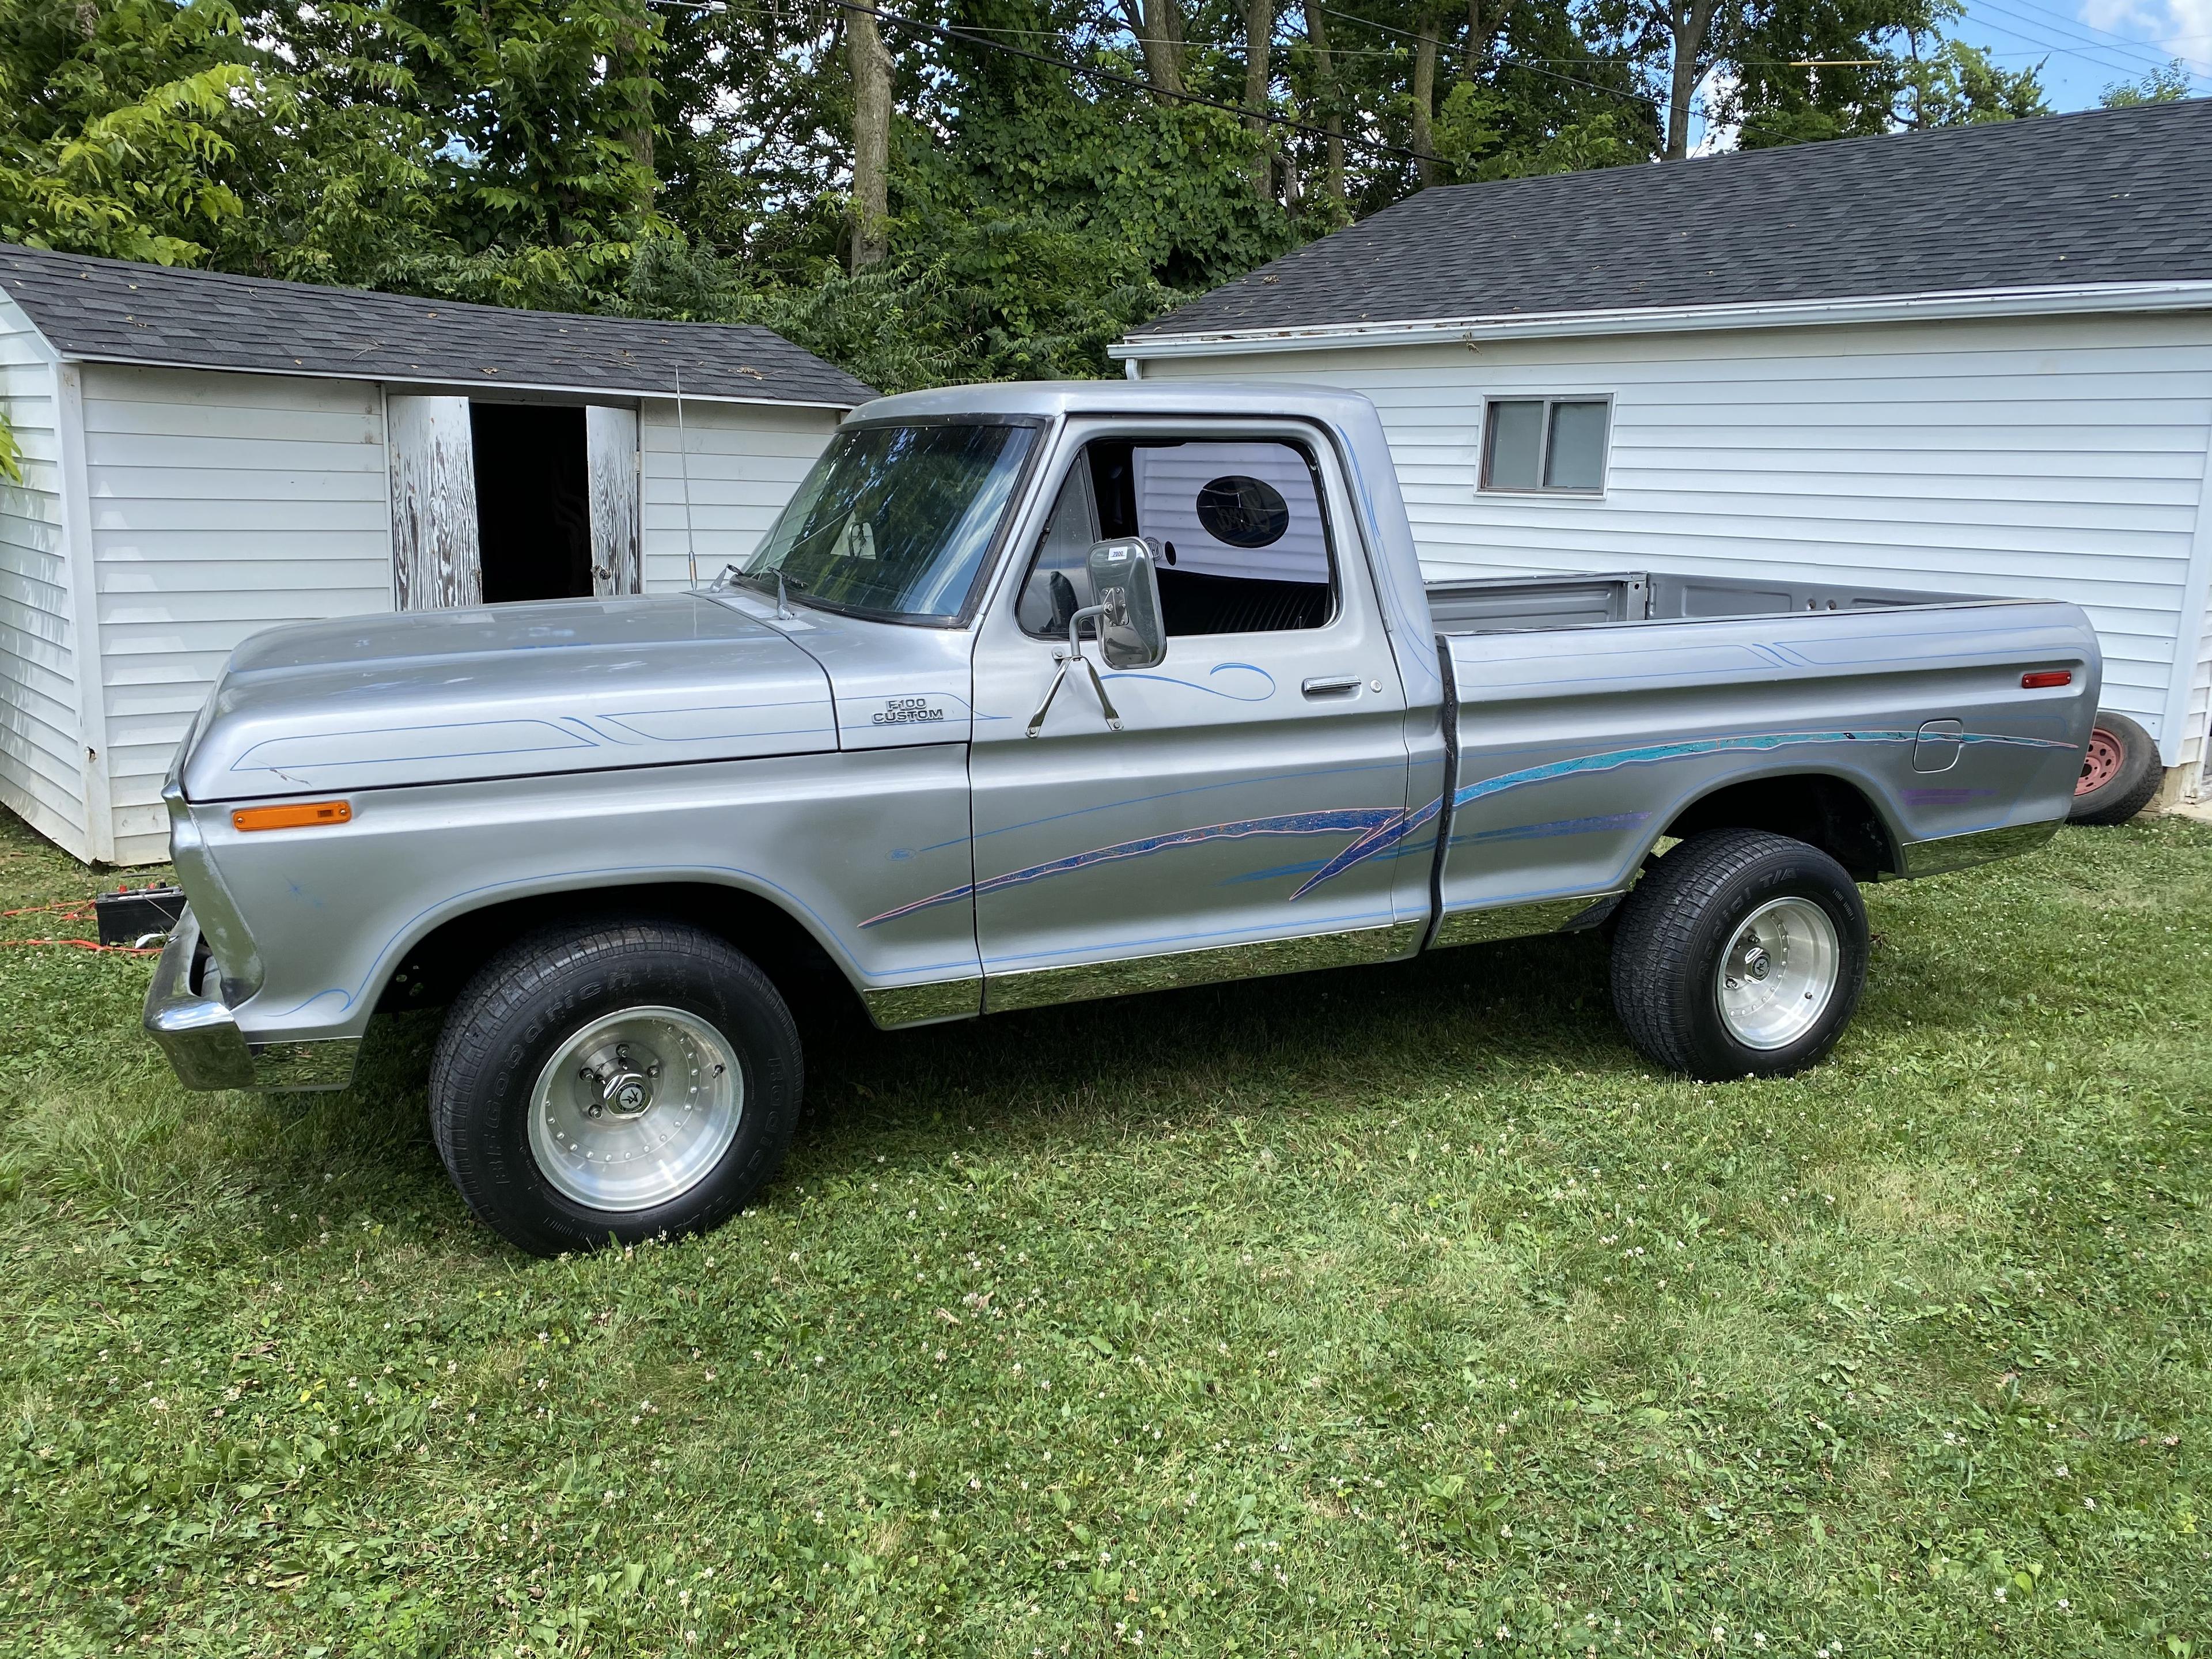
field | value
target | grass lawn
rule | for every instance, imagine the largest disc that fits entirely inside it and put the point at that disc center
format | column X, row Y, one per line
column 1392, row 1311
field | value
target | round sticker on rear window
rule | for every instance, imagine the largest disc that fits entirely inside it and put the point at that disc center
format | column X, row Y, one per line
column 1243, row 512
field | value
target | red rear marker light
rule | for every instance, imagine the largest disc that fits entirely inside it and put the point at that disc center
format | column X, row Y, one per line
column 2045, row 679
column 303, row 815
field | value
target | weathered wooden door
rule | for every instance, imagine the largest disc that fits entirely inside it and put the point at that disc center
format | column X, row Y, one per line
column 436, row 561
column 611, row 461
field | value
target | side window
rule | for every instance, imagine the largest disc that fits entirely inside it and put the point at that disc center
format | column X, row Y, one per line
column 1550, row 446
column 1237, row 530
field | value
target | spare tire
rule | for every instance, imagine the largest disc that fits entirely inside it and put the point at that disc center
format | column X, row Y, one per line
column 2120, row 772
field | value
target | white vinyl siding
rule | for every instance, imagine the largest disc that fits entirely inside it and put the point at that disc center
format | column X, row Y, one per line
column 739, row 464
column 41, row 760
column 2059, row 458
column 221, row 504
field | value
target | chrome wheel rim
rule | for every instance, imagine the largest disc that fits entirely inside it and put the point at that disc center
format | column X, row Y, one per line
column 637, row 1108
column 1779, row 973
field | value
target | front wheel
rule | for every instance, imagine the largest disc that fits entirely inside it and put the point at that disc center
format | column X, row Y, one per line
column 614, row 1083
column 1742, row 954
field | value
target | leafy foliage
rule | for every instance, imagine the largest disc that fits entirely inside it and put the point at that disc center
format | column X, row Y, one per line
column 2161, row 86
column 693, row 161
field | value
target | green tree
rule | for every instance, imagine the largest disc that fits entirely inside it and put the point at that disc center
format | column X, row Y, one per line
column 2161, row 86
column 1957, row 85
column 124, row 126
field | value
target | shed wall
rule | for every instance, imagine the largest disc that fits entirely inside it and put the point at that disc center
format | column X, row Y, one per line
column 743, row 463
column 41, row 760
column 221, row 504
column 2062, row 458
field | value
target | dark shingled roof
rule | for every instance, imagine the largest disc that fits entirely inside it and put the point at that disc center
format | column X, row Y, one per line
column 2111, row 195
column 112, row 310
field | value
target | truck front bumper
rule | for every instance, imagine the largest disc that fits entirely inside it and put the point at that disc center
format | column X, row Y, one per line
column 204, row 1046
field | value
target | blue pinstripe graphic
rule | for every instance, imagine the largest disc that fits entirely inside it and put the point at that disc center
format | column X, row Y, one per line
column 1336, row 821
column 1380, row 830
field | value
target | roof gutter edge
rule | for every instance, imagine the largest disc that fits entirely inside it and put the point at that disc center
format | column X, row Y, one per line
column 475, row 386
column 1977, row 303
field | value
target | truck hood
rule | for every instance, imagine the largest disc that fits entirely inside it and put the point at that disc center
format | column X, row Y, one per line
column 443, row 696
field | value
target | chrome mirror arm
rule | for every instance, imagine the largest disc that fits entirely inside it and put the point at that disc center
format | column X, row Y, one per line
column 1074, row 655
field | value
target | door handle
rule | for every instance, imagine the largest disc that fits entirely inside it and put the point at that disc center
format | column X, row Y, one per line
column 1328, row 685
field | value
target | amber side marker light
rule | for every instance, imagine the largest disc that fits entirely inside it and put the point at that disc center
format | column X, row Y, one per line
column 2047, row 678
column 293, row 815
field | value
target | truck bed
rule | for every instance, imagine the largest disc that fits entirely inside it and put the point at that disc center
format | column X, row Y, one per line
column 1507, row 604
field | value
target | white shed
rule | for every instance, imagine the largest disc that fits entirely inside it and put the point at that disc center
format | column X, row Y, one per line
column 1976, row 359
column 206, row 455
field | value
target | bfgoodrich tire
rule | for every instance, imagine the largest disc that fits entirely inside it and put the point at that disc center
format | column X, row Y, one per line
column 2119, row 773
column 1742, row 954
column 614, row 1083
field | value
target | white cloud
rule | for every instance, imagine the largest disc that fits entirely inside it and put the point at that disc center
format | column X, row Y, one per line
column 2179, row 29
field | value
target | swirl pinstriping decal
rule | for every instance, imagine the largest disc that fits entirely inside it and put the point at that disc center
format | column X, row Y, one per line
column 1335, row 822
column 1378, row 829
column 1385, row 836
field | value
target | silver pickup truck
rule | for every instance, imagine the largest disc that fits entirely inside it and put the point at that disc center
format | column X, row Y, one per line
column 1038, row 693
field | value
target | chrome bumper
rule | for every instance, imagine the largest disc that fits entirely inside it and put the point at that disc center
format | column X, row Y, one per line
column 205, row 1048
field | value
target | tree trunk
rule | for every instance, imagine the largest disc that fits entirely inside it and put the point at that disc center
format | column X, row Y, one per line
column 1424, row 97
column 634, row 64
column 1689, row 21
column 1480, row 28
column 1259, row 38
column 1332, row 118
column 1158, row 25
column 871, row 138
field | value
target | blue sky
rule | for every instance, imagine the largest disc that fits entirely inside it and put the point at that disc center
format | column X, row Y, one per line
column 2086, row 45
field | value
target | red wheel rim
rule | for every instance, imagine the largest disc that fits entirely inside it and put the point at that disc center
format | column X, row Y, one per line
column 2101, row 763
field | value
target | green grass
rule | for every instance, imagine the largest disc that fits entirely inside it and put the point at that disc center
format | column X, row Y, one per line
column 1401, row 1311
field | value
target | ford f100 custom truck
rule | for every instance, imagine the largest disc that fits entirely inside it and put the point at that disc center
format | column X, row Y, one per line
column 1037, row 693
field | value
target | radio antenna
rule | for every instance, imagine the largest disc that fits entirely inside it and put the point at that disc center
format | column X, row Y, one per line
column 684, row 464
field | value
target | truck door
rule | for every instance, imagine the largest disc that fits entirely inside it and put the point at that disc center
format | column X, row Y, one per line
column 1245, row 819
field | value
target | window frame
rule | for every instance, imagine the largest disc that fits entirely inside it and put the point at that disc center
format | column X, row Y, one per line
column 1307, row 445
column 1547, row 401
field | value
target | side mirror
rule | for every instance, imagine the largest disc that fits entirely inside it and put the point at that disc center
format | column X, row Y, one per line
column 1128, row 589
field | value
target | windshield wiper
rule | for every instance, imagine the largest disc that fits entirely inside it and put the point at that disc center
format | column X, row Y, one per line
column 768, row 580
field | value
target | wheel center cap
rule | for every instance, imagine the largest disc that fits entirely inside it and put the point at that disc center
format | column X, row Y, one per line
column 628, row 1094
column 1757, row 962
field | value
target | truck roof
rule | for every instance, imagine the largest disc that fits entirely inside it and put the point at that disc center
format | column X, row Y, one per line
column 1055, row 398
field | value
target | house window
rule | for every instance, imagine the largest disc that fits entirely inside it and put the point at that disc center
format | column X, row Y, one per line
column 1551, row 445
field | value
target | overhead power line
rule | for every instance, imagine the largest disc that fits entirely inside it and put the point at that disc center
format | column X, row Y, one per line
column 1524, row 63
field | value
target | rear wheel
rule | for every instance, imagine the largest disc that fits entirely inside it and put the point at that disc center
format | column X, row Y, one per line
column 1742, row 954
column 2119, row 772
column 612, row 1084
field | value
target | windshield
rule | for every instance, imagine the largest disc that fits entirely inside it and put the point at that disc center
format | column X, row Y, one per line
column 896, row 520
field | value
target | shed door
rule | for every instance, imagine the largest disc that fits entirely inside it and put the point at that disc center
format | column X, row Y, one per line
column 435, row 558
column 611, row 461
